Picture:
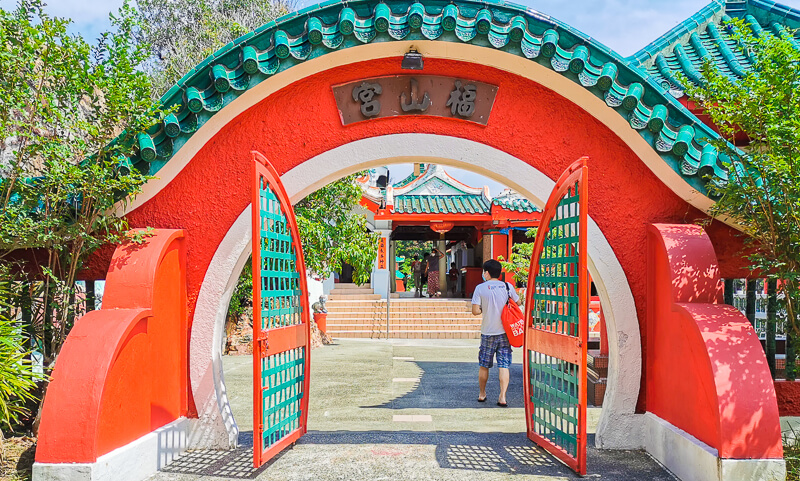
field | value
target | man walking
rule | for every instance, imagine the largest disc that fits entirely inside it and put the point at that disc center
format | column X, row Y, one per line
column 489, row 299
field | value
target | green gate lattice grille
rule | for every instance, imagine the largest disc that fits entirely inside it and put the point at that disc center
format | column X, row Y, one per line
column 282, row 387
column 555, row 382
column 556, row 297
column 282, row 374
column 554, row 393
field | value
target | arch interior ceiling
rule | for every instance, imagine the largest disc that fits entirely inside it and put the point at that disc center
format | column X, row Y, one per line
column 641, row 88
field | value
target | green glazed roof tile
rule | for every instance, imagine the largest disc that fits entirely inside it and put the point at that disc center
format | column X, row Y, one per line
column 515, row 204
column 441, row 204
column 336, row 24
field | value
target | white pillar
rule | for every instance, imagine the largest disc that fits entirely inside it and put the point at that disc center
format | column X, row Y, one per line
column 381, row 276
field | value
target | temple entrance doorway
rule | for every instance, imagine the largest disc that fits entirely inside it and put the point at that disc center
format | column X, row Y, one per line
column 282, row 334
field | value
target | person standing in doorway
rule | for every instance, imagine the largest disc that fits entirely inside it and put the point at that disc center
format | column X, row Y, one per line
column 452, row 278
column 416, row 271
column 488, row 300
column 424, row 275
column 433, row 273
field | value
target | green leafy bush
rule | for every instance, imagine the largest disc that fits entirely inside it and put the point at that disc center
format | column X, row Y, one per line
column 17, row 379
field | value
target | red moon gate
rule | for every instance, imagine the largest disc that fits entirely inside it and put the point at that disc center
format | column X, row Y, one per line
column 556, row 320
column 281, row 327
column 560, row 95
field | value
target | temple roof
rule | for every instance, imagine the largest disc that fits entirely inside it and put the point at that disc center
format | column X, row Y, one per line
column 514, row 201
column 434, row 180
column 441, row 204
column 412, row 176
column 641, row 88
column 434, row 191
column 705, row 36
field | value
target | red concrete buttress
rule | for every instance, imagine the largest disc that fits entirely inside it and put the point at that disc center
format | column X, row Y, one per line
column 122, row 371
column 706, row 371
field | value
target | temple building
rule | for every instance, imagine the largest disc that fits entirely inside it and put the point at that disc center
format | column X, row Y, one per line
column 464, row 222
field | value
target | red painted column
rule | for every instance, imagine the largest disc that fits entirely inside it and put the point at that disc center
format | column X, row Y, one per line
column 603, row 334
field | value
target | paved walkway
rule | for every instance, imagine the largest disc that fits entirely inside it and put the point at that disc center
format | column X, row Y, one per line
column 402, row 410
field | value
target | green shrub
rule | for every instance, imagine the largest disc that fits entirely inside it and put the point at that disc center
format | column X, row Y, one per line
column 17, row 379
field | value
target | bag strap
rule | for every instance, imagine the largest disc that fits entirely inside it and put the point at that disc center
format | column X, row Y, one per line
column 508, row 291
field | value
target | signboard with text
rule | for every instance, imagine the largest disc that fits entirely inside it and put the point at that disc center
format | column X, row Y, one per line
column 382, row 253
column 414, row 95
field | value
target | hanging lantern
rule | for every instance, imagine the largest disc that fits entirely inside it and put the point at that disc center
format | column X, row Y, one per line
column 441, row 227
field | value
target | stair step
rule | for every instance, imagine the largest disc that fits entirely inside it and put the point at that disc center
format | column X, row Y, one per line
column 347, row 297
column 365, row 290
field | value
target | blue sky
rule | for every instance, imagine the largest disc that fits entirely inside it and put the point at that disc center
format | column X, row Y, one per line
column 624, row 25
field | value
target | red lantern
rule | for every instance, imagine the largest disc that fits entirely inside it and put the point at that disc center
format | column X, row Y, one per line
column 441, row 227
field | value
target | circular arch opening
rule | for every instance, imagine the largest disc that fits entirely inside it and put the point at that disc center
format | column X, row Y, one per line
column 619, row 427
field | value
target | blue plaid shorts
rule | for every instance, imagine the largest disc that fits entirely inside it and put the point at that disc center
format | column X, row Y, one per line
column 494, row 344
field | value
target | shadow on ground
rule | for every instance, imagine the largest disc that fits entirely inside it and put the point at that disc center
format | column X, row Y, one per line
column 452, row 385
column 509, row 453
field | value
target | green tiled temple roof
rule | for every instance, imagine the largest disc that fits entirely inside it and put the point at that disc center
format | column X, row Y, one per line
column 628, row 86
column 705, row 36
column 441, row 204
column 517, row 205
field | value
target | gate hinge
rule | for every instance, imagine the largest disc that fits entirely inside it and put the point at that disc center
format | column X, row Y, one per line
column 263, row 343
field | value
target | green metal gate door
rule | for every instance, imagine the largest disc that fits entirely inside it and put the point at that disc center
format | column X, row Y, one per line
column 556, row 323
column 281, row 327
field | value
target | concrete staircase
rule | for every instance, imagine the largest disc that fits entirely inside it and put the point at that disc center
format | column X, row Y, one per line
column 357, row 312
column 433, row 319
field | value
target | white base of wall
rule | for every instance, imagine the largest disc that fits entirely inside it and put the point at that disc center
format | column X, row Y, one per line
column 133, row 462
column 692, row 460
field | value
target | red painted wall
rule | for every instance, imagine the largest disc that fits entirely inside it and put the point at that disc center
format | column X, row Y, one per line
column 528, row 121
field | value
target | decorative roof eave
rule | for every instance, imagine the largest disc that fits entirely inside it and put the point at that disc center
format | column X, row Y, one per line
column 679, row 33
column 435, row 171
column 676, row 134
column 412, row 177
column 705, row 36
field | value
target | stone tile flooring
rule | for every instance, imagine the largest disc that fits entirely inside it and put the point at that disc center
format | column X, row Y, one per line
column 369, row 421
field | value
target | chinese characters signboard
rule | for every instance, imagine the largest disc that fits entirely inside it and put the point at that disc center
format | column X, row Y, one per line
column 414, row 95
column 382, row 253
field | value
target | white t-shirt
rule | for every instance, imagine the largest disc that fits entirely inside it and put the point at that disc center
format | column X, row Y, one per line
column 492, row 297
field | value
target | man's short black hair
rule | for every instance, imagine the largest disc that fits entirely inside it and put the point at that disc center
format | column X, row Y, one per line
column 493, row 268
column 416, row 256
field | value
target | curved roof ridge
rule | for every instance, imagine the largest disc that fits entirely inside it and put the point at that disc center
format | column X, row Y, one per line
column 683, row 50
column 437, row 172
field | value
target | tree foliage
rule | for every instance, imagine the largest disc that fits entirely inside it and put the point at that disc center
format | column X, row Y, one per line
column 762, row 195
column 69, row 115
column 17, row 379
column 184, row 32
column 519, row 262
column 333, row 232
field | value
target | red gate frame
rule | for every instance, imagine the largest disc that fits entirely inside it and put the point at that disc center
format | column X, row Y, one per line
column 282, row 339
column 565, row 347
